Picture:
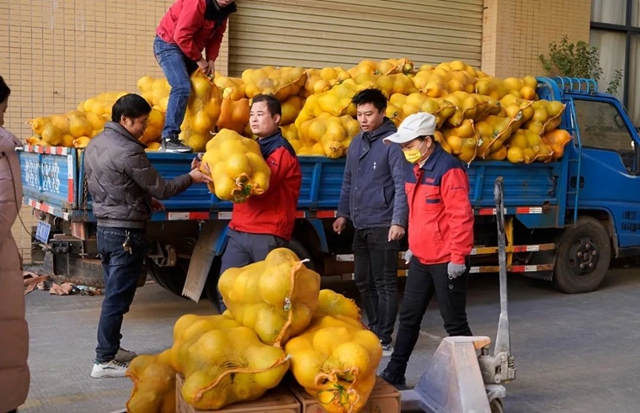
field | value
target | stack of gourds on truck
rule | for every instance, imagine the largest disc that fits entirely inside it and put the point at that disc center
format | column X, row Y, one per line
column 278, row 320
column 479, row 117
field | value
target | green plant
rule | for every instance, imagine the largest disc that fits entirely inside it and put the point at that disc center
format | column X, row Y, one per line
column 577, row 60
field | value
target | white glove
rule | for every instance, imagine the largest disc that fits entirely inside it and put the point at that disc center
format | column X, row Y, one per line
column 455, row 270
column 407, row 256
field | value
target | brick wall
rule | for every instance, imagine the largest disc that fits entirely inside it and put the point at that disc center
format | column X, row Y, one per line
column 516, row 32
column 55, row 54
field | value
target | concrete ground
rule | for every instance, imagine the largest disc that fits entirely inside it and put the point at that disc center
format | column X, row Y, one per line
column 574, row 353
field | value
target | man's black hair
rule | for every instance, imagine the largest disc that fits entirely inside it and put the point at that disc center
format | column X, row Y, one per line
column 4, row 90
column 131, row 106
column 373, row 96
column 272, row 103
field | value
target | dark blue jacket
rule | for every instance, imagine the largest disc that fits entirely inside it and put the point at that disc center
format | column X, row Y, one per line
column 373, row 193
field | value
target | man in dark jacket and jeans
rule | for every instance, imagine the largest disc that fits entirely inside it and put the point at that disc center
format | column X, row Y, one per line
column 125, row 189
column 373, row 198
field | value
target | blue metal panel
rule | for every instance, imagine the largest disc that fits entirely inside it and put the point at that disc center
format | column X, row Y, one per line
column 321, row 182
column 524, row 185
column 197, row 197
column 50, row 179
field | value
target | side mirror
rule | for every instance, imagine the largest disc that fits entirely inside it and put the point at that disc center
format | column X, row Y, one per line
column 619, row 122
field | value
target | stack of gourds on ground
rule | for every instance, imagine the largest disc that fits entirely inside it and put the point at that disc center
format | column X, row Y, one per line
column 479, row 117
column 278, row 321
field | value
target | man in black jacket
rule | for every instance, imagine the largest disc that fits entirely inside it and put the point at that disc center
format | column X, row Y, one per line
column 125, row 188
column 374, row 199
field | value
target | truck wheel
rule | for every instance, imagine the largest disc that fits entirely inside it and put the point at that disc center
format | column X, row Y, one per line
column 583, row 257
column 302, row 253
column 169, row 278
column 496, row 406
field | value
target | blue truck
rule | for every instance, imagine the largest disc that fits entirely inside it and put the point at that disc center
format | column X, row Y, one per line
column 565, row 220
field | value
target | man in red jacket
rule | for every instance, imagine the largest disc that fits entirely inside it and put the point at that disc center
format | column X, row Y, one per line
column 188, row 27
column 440, row 238
column 265, row 222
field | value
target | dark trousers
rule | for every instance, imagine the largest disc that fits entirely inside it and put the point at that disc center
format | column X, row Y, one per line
column 422, row 282
column 244, row 248
column 120, row 271
column 376, row 276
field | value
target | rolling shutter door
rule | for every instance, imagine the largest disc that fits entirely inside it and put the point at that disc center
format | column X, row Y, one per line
column 319, row 33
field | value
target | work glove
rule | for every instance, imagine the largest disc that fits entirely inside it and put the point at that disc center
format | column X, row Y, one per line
column 455, row 270
column 407, row 256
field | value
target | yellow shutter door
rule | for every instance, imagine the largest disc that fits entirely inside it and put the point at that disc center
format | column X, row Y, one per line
column 319, row 33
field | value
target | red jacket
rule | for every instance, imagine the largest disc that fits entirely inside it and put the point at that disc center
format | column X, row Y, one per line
column 274, row 212
column 185, row 25
column 440, row 215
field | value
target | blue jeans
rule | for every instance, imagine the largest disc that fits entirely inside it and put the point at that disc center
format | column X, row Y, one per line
column 121, row 271
column 177, row 68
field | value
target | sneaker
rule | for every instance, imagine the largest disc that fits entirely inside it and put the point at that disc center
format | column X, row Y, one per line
column 125, row 355
column 172, row 143
column 113, row 368
column 396, row 380
column 387, row 350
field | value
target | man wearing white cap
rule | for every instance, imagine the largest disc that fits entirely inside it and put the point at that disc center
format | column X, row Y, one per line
column 440, row 238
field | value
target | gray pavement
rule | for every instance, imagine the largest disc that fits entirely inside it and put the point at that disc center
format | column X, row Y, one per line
column 574, row 353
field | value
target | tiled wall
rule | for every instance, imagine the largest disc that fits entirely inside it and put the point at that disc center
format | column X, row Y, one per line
column 516, row 32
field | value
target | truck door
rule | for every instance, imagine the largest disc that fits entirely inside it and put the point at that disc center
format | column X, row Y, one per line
column 609, row 175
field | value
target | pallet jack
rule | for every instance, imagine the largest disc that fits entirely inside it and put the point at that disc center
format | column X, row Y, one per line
column 463, row 376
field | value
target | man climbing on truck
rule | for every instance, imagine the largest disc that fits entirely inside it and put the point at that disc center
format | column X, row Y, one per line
column 374, row 200
column 265, row 222
column 125, row 188
column 440, row 238
column 188, row 27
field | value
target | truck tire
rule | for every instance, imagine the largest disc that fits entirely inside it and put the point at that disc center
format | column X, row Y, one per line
column 169, row 278
column 302, row 253
column 210, row 288
column 583, row 257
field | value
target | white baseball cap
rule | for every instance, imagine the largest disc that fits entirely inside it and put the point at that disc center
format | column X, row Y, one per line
column 418, row 124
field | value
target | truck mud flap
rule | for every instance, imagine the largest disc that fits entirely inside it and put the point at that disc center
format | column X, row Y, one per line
column 202, row 258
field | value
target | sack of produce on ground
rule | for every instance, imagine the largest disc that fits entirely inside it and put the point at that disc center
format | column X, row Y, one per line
column 237, row 167
column 154, row 384
column 334, row 304
column 335, row 360
column 276, row 297
column 223, row 362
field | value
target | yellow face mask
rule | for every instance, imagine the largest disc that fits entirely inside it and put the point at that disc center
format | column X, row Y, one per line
column 413, row 155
